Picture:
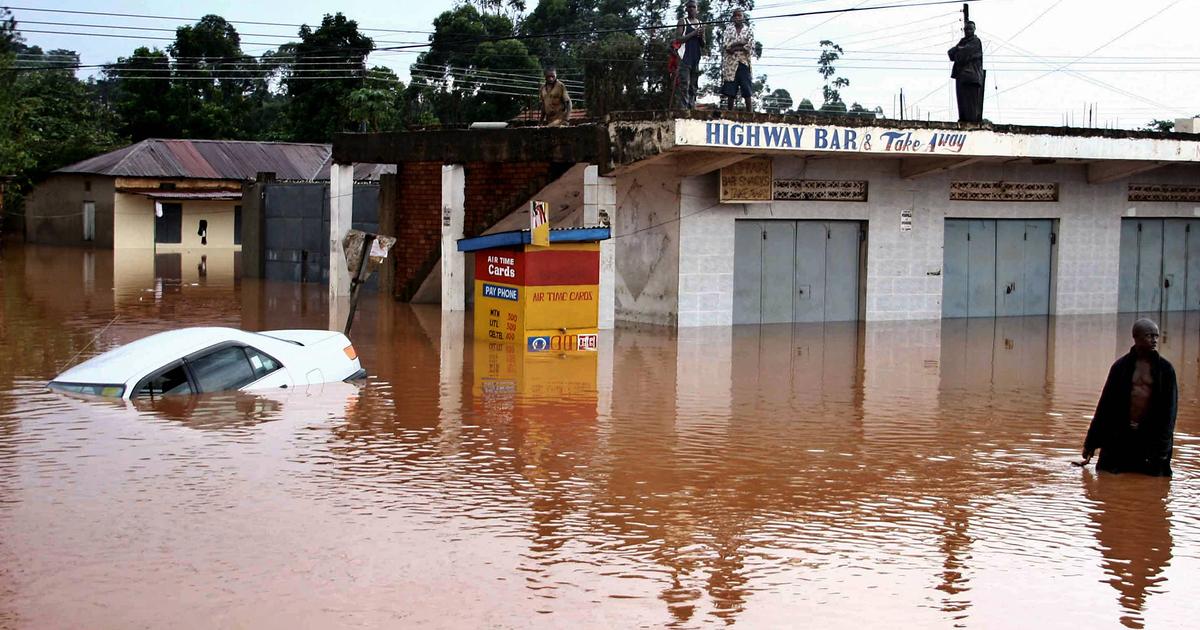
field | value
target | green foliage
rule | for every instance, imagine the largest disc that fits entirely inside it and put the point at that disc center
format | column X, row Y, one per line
column 778, row 102
column 319, row 100
column 48, row 118
column 805, row 106
column 613, row 73
column 1158, row 125
column 470, row 72
column 831, row 91
column 380, row 105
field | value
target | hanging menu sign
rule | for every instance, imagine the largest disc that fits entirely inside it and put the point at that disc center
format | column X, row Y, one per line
column 748, row 181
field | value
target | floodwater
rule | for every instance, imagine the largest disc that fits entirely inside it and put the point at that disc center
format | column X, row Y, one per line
column 910, row 474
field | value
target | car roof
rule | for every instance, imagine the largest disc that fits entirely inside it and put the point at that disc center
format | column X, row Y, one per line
column 150, row 353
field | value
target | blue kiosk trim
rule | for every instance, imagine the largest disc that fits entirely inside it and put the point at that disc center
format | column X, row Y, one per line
column 522, row 237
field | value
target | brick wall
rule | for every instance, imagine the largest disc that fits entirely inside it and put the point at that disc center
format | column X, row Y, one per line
column 493, row 190
column 418, row 227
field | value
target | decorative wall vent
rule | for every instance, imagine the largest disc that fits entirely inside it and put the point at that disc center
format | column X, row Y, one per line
column 1003, row 191
column 820, row 190
column 1164, row 192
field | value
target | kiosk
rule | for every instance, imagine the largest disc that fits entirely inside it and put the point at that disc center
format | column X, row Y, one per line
column 544, row 299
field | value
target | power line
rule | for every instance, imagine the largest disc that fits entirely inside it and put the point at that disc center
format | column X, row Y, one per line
column 172, row 30
column 596, row 32
column 1095, row 50
column 1092, row 80
column 185, row 19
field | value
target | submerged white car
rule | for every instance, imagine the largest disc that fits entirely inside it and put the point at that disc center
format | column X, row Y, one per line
column 197, row 360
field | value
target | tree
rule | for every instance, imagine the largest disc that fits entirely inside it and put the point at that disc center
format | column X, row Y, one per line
column 202, row 86
column 805, row 106
column 328, row 66
column 1158, row 125
column 136, row 85
column 214, row 85
column 472, row 71
column 379, row 106
column 613, row 73
column 777, row 102
column 48, row 118
column 831, row 91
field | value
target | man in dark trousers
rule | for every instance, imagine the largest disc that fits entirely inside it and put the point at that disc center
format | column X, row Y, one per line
column 1134, row 425
column 968, row 75
column 690, row 34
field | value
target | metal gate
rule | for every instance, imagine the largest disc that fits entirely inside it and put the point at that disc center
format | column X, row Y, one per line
column 1160, row 265
column 796, row 271
column 296, row 228
column 997, row 267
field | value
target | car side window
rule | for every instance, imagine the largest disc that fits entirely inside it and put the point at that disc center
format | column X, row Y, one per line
column 222, row 369
column 261, row 363
column 168, row 382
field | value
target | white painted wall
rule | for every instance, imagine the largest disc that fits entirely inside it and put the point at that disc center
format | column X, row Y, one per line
column 904, row 269
column 646, row 231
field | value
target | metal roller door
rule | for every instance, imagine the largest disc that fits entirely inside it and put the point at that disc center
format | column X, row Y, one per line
column 796, row 271
column 1160, row 265
column 997, row 267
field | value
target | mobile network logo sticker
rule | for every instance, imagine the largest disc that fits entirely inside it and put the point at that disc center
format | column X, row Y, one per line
column 503, row 293
column 539, row 344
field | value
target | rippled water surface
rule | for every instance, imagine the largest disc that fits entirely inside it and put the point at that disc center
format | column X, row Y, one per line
column 911, row 474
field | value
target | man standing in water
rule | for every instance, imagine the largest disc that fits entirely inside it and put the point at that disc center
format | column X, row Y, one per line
column 1134, row 425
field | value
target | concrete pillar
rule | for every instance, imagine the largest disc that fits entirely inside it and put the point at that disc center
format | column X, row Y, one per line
column 454, row 268
column 341, row 214
column 600, row 209
column 450, row 381
column 341, row 204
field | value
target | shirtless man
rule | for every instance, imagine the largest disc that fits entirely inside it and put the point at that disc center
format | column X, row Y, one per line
column 1134, row 425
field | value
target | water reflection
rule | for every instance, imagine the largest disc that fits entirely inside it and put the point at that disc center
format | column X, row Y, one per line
column 892, row 473
column 1132, row 523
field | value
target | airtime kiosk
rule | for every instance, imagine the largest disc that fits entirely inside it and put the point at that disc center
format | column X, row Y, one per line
column 536, row 312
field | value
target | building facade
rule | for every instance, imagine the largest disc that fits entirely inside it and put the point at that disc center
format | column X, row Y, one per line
column 767, row 219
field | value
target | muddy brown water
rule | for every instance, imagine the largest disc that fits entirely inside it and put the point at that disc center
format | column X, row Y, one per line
column 910, row 474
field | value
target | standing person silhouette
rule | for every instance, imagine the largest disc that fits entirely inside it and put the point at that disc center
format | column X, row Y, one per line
column 968, row 75
column 691, row 34
column 736, row 48
column 1134, row 424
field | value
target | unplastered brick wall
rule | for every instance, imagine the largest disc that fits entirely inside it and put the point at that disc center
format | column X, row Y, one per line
column 493, row 190
column 418, row 224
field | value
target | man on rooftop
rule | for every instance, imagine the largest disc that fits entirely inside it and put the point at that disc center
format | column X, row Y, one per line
column 556, row 103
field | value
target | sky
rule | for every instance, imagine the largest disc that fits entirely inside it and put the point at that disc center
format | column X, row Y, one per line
column 1101, row 63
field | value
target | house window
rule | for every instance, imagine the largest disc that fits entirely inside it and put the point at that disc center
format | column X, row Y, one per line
column 89, row 220
column 166, row 186
column 237, row 225
column 87, row 185
column 168, row 228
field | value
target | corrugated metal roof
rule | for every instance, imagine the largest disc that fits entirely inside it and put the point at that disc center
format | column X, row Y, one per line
column 208, row 159
column 184, row 194
column 362, row 171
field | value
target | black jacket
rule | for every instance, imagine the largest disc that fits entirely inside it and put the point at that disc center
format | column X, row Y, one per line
column 1148, row 448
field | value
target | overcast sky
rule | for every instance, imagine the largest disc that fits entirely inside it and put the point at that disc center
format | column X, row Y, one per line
column 1046, row 59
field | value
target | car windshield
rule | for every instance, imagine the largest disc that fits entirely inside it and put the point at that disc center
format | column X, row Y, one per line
column 89, row 389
